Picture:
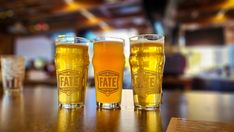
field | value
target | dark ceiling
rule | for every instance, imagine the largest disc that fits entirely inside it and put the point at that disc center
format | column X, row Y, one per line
column 20, row 16
column 203, row 10
column 78, row 14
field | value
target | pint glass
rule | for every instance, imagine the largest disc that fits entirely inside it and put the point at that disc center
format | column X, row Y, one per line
column 13, row 70
column 71, row 62
column 147, row 63
column 108, row 62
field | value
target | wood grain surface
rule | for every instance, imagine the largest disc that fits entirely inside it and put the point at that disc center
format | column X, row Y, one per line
column 36, row 109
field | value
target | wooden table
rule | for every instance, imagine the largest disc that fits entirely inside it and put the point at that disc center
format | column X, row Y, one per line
column 36, row 109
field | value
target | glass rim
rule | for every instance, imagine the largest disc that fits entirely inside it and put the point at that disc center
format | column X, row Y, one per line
column 102, row 38
column 60, row 37
column 161, row 37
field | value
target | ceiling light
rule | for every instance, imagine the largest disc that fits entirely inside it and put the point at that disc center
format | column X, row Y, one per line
column 68, row 1
column 221, row 13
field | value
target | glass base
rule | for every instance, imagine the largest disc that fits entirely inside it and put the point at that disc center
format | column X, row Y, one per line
column 138, row 107
column 70, row 106
column 108, row 105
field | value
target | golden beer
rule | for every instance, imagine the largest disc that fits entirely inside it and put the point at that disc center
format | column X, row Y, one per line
column 108, row 62
column 147, row 63
column 71, row 68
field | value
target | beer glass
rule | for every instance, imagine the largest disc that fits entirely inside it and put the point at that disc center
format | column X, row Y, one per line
column 108, row 62
column 13, row 70
column 147, row 63
column 71, row 60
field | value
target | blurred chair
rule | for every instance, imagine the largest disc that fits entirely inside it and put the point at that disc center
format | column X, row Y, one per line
column 175, row 64
column 173, row 72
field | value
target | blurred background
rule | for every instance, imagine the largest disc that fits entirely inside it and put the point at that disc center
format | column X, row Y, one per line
column 199, row 36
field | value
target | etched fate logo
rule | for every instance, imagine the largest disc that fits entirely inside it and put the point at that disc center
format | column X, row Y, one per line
column 108, row 82
column 146, row 82
column 69, row 81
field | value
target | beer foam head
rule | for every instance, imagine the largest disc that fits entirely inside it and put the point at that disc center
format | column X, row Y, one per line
column 73, row 44
column 147, row 38
column 108, row 42
column 107, row 39
column 71, row 40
